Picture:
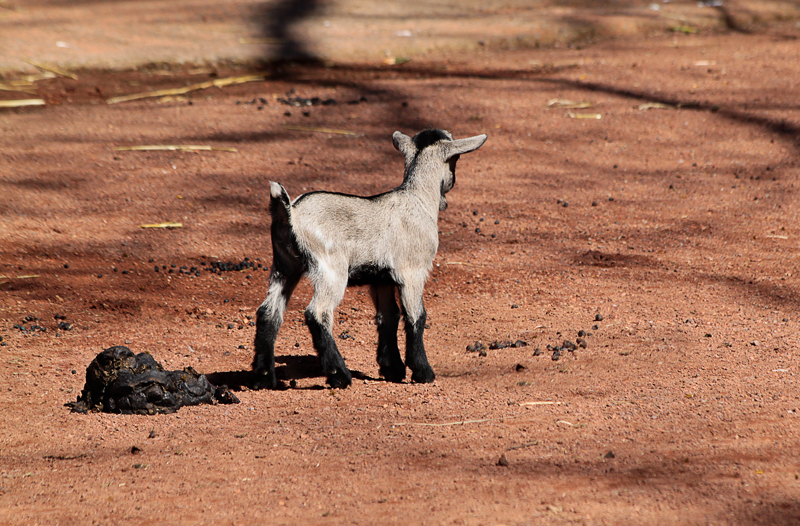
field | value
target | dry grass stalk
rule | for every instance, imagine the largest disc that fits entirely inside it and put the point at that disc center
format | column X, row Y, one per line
column 654, row 106
column 166, row 224
column 51, row 69
column 172, row 148
column 568, row 104
column 26, row 88
column 218, row 83
column 320, row 130
column 584, row 115
column 20, row 103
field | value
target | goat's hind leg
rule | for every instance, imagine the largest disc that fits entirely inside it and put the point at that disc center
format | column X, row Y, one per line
column 319, row 317
column 414, row 310
column 269, row 318
column 387, row 317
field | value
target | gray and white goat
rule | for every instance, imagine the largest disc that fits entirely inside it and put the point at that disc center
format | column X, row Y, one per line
column 387, row 241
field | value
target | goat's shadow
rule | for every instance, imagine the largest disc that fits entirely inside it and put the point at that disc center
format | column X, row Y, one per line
column 290, row 368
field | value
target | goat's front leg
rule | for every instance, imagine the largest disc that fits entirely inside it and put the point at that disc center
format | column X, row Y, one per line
column 319, row 317
column 387, row 316
column 416, row 359
column 269, row 318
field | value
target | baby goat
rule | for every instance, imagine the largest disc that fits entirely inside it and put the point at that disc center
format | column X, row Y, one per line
column 387, row 241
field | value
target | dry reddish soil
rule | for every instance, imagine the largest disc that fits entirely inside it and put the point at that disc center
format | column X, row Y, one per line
column 678, row 225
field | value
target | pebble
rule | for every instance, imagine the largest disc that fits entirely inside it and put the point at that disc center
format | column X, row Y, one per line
column 598, row 317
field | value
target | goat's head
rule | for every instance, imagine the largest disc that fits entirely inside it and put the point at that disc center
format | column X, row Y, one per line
column 434, row 153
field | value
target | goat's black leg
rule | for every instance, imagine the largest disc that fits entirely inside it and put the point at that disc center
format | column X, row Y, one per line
column 329, row 358
column 269, row 318
column 388, row 318
column 328, row 292
column 416, row 359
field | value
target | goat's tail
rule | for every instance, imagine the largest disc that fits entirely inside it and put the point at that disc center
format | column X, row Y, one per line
column 279, row 204
column 285, row 252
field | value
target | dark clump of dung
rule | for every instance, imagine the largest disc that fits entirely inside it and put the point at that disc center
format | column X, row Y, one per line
column 507, row 343
column 119, row 381
column 477, row 347
column 218, row 267
column 298, row 101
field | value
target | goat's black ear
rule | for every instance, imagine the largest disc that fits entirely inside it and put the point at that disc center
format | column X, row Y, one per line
column 403, row 143
column 459, row 146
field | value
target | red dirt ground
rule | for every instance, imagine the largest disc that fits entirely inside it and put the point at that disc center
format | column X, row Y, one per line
column 678, row 225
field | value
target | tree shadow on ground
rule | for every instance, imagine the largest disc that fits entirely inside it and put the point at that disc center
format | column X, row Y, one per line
column 276, row 20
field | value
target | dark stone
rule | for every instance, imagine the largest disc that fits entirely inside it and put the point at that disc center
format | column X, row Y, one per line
column 119, row 381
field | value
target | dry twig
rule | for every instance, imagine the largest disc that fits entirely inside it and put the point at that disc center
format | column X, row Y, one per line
column 320, row 130
column 172, row 148
column 218, row 83
column 21, row 102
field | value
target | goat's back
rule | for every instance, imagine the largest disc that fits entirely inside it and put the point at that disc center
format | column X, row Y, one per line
column 384, row 230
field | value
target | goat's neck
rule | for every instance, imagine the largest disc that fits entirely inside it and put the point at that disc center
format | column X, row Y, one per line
column 426, row 192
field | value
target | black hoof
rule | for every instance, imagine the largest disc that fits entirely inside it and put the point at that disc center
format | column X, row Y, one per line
column 262, row 380
column 393, row 374
column 423, row 376
column 340, row 379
